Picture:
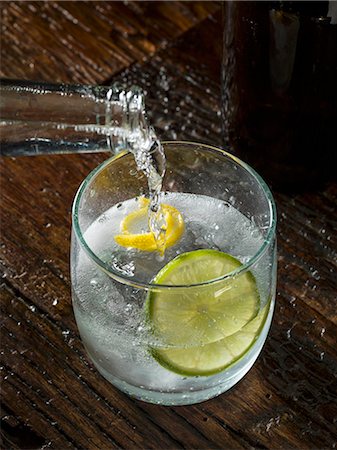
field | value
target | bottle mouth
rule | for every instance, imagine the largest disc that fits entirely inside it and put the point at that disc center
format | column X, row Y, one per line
column 132, row 281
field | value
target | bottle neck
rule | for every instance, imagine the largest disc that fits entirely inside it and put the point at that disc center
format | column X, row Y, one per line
column 37, row 118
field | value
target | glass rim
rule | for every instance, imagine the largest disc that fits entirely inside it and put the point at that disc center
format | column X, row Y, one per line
column 139, row 284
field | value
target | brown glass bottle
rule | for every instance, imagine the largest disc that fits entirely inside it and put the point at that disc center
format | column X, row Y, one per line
column 280, row 88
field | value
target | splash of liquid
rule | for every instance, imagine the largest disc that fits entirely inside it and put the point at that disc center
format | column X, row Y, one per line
column 143, row 143
column 151, row 160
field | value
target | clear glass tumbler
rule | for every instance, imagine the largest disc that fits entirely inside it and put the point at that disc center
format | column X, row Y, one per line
column 173, row 339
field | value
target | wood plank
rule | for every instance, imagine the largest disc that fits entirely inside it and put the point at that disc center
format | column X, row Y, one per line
column 309, row 261
column 86, row 42
column 64, row 386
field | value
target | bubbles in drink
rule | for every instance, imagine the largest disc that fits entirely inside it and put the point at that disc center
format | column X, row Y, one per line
column 209, row 223
column 112, row 315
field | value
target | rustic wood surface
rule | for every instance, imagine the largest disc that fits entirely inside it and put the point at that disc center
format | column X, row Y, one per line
column 52, row 397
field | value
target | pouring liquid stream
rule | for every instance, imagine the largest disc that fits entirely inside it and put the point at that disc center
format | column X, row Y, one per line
column 150, row 159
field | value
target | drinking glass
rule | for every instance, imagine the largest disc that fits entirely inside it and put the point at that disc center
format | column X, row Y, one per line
column 227, row 208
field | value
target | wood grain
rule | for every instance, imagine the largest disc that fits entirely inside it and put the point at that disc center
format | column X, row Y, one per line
column 52, row 396
column 86, row 42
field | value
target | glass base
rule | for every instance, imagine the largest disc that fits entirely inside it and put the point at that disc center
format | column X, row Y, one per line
column 197, row 395
column 176, row 398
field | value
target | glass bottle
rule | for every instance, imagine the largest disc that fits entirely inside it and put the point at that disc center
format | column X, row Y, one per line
column 38, row 118
column 279, row 90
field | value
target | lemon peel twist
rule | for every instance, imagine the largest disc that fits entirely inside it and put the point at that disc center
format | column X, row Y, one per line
column 146, row 241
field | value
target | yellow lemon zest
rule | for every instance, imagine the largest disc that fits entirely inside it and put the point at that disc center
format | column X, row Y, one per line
column 146, row 241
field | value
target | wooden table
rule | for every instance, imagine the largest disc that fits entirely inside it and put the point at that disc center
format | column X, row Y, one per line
column 52, row 396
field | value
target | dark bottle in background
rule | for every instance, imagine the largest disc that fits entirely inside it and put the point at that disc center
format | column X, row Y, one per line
column 279, row 88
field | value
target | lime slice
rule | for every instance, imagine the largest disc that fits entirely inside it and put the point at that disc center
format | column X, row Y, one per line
column 186, row 320
column 212, row 358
